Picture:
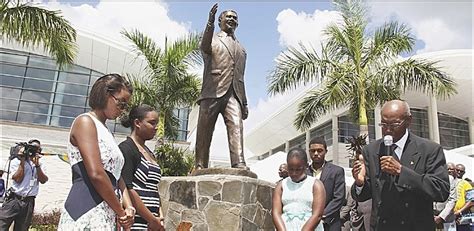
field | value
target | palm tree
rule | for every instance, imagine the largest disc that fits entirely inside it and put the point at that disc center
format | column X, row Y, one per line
column 167, row 84
column 356, row 69
column 34, row 26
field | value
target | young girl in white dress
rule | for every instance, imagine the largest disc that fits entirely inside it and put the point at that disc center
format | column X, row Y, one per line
column 298, row 200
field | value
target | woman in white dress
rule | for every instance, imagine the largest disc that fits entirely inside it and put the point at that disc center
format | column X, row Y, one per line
column 93, row 202
column 298, row 200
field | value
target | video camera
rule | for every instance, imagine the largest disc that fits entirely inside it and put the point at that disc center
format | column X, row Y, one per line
column 30, row 149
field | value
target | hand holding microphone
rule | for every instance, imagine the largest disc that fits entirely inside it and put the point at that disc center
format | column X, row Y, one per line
column 388, row 163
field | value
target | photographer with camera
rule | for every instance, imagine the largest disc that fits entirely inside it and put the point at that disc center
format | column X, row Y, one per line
column 27, row 174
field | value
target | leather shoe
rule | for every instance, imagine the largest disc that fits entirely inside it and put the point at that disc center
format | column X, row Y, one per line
column 241, row 166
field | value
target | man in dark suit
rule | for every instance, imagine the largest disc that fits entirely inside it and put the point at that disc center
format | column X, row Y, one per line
column 404, row 185
column 333, row 179
column 223, row 90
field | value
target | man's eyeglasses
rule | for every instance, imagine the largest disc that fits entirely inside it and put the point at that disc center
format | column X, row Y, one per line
column 392, row 125
column 120, row 104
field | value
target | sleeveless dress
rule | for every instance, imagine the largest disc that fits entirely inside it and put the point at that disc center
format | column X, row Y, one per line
column 297, row 200
column 145, row 183
column 84, row 209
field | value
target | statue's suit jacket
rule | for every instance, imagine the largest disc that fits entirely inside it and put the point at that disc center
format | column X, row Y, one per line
column 405, row 202
column 224, row 66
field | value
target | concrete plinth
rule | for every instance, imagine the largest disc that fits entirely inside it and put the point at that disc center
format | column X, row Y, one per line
column 217, row 202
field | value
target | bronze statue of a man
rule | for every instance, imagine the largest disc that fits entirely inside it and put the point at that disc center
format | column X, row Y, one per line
column 223, row 90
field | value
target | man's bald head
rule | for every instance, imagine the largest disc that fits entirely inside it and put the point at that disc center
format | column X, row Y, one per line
column 452, row 169
column 396, row 118
column 396, row 106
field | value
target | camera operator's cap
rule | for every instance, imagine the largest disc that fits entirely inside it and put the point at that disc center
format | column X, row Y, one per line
column 38, row 148
column 34, row 141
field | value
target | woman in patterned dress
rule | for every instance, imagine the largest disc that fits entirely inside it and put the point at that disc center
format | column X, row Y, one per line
column 298, row 200
column 141, row 173
column 96, row 161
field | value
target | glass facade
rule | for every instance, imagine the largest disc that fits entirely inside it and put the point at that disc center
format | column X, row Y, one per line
column 280, row 148
column 183, row 116
column 323, row 130
column 347, row 127
column 419, row 123
column 298, row 142
column 454, row 132
column 34, row 90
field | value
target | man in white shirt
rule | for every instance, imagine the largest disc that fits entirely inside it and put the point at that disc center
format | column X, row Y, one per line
column 27, row 173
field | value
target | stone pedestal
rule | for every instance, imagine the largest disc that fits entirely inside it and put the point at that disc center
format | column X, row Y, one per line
column 217, row 202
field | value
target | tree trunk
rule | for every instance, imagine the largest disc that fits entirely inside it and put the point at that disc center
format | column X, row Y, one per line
column 160, row 130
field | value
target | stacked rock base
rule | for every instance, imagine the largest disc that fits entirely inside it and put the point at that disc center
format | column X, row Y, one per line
column 216, row 202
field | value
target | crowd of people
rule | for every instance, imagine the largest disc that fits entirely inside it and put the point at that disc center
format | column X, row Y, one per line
column 411, row 188
column 401, row 186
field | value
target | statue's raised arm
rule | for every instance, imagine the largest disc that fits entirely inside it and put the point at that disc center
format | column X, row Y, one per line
column 208, row 32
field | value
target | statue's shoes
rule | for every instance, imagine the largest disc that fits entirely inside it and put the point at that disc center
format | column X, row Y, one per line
column 241, row 166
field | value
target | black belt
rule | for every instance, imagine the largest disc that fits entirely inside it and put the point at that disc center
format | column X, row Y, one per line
column 22, row 198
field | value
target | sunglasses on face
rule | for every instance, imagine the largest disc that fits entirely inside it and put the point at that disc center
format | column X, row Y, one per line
column 120, row 103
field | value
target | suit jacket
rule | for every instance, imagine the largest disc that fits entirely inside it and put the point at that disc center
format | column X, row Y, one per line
column 405, row 202
column 224, row 66
column 334, row 183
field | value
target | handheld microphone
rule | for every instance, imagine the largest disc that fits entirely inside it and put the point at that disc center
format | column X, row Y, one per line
column 388, row 142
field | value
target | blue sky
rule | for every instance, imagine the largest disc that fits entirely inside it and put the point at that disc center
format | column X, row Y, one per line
column 267, row 28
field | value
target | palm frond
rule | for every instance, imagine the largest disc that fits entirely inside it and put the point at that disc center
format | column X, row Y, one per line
column 185, row 50
column 143, row 90
column 34, row 26
column 419, row 75
column 354, row 14
column 144, row 46
column 389, row 40
column 331, row 95
column 337, row 41
column 296, row 66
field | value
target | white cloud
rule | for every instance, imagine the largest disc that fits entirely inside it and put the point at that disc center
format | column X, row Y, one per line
column 302, row 27
column 439, row 25
column 108, row 18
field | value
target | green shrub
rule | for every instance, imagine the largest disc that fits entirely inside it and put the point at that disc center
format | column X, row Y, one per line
column 45, row 221
column 174, row 161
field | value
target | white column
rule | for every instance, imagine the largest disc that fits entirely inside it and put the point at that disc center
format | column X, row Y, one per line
column 335, row 140
column 287, row 146
column 377, row 120
column 433, row 111
column 470, row 122
column 430, row 125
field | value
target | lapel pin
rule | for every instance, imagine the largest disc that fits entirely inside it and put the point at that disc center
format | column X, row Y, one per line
column 412, row 163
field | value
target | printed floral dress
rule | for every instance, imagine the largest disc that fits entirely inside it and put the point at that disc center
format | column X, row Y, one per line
column 84, row 209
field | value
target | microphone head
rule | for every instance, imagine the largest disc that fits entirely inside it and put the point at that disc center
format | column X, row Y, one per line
column 388, row 140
